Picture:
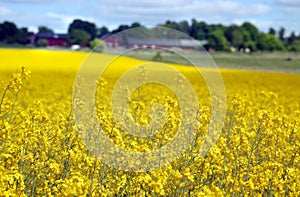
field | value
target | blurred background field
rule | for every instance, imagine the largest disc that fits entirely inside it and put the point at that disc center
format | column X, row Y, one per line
column 288, row 62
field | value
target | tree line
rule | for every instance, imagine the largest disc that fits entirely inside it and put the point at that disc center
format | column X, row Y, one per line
column 219, row 37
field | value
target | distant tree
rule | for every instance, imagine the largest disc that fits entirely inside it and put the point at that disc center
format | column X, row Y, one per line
column 157, row 57
column 199, row 30
column 253, row 31
column 102, row 31
column 121, row 28
column 250, row 45
column 291, row 38
column 97, row 45
column 235, row 36
column 214, row 27
column 295, row 46
column 44, row 29
column 8, row 32
column 269, row 42
column 42, row 43
column 272, row 31
column 246, row 35
column 281, row 34
column 217, row 40
column 135, row 24
column 261, row 42
column 273, row 44
column 194, row 28
column 78, row 36
column 88, row 27
column 171, row 25
column 2, row 35
column 22, row 36
column 184, row 27
column 204, row 31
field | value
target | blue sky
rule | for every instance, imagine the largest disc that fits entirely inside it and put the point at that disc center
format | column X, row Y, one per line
column 58, row 14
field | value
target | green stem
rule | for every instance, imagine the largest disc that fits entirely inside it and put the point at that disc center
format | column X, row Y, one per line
column 3, row 96
column 13, row 106
column 252, row 150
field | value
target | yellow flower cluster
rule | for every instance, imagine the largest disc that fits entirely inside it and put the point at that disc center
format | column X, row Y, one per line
column 42, row 153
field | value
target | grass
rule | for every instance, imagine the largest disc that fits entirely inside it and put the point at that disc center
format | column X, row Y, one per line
column 260, row 61
column 276, row 61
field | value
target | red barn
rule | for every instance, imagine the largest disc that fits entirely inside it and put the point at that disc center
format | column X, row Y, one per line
column 111, row 40
column 54, row 40
column 115, row 41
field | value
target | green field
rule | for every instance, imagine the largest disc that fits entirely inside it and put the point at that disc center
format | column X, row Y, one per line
column 276, row 62
column 264, row 61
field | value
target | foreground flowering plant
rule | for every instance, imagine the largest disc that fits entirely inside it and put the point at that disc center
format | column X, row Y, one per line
column 257, row 154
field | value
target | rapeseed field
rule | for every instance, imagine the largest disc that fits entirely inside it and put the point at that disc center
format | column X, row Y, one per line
column 43, row 154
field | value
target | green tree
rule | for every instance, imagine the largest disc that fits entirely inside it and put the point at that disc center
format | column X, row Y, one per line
column 295, row 46
column 291, row 38
column 44, row 29
column 121, row 28
column 203, row 31
column 194, row 28
column 261, row 42
column 97, row 45
column 281, row 34
column 184, row 27
column 269, row 42
column 78, row 36
column 22, row 36
column 250, row 45
column 272, row 31
column 135, row 24
column 41, row 43
column 199, row 30
column 8, row 32
column 89, row 28
column 252, row 30
column 235, row 36
column 217, row 40
column 273, row 44
column 246, row 36
column 102, row 31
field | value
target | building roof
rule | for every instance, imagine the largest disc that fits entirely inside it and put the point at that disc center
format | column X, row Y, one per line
column 51, row 35
column 167, row 42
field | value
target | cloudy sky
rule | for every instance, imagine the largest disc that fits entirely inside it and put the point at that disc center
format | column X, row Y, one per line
column 58, row 14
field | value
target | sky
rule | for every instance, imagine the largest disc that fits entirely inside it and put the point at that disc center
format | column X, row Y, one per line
column 58, row 14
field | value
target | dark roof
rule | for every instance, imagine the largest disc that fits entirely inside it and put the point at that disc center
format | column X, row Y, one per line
column 167, row 42
column 157, row 41
column 51, row 35
column 62, row 35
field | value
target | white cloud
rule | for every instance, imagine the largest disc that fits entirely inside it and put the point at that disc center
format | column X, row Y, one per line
column 65, row 20
column 4, row 12
column 181, row 8
column 112, row 13
column 58, row 22
column 263, row 25
column 38, row 1
column 143, row 3
column 289, row 6
column 158, row 12
column 289, row 2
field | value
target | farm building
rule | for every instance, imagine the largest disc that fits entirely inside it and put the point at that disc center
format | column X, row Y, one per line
column 111, row 40
column 185, row 44
column 128, row 42
column 53, row 39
